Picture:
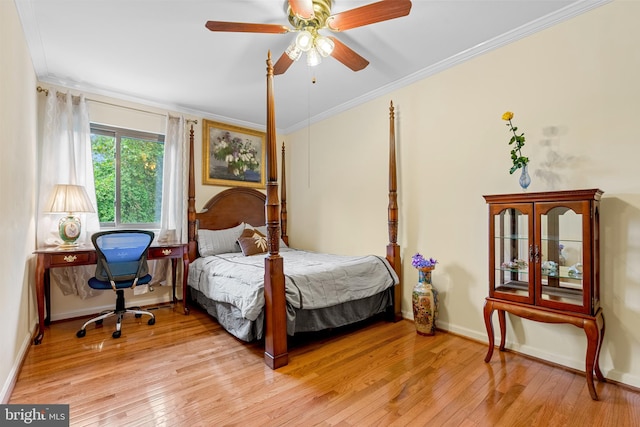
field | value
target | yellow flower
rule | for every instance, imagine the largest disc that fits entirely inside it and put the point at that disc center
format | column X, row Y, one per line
column 517, row 158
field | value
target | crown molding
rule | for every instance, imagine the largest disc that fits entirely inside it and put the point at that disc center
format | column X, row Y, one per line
column 514, row 35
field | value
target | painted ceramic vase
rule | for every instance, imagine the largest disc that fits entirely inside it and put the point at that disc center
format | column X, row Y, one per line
column 425, row 303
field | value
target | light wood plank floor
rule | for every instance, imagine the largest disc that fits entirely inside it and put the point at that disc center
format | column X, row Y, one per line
column 187, row 371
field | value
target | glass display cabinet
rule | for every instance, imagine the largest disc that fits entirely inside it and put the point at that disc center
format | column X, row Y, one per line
column 544, row 256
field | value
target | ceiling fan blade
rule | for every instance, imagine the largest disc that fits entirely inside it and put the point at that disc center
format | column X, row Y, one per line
column 283, row 64
column 302, row 8
column 348, row 56
column 369, row 14
column 242, row 27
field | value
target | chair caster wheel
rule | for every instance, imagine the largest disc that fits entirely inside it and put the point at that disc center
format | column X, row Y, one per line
column 99, row 322
column 138, row 315
column 152, row 321
column 116, row 334
column 81, row 333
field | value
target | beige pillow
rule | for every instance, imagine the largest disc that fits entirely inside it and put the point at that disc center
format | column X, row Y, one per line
column 214, row 242
column 252, row 242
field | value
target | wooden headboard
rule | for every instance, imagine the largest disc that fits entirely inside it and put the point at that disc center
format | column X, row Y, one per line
column 232, row 207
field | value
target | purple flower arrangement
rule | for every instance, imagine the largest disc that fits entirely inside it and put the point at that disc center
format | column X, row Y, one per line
column 419, row 262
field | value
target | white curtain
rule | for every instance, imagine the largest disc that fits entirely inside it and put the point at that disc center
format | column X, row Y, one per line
column 65, row 158
column 173, row 219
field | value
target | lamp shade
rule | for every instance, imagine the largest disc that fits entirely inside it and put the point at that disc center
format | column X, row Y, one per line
column 304, row 40
column 313, row 57
column 324, row 45
column 293, row 51
column 69, row 198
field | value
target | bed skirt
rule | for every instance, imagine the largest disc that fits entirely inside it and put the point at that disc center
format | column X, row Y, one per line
column 230, row 318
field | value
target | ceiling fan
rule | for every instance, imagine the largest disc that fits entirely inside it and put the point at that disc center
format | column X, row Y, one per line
column 308, row 18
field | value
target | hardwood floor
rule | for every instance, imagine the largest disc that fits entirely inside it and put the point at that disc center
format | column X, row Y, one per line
column 187, row 371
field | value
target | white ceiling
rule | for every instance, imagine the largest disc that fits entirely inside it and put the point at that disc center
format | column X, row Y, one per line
column 159, row 53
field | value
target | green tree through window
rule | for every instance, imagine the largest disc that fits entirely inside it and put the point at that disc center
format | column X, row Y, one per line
column 127, row 167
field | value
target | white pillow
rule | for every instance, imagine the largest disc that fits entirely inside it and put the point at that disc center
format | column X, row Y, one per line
column 263, row 229
column 214, row 242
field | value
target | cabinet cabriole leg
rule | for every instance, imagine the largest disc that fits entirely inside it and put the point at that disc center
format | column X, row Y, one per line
column 503, row 329
column 592, row 331
column 600, row 324
column 488, row 311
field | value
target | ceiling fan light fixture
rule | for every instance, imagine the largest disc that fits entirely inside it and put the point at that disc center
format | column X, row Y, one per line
column 324, row 45
column 293, row 52
column 313, row 57
column 304, row 41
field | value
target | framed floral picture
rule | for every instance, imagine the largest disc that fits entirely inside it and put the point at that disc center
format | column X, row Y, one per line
column 232, row 156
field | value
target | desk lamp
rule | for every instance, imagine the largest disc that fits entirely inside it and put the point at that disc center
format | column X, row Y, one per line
column 69, row 199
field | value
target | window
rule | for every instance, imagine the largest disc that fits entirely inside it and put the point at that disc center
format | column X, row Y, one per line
column 127, row 168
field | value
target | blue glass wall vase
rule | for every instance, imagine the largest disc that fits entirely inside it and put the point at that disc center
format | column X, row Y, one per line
column 525, row 179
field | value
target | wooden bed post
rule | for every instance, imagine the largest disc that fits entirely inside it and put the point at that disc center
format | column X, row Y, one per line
column 393, row 250
column 275, row 351
column 191, row 203
column 283, row 201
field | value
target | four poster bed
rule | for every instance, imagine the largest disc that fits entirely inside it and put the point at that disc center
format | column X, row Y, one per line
column 274, row 291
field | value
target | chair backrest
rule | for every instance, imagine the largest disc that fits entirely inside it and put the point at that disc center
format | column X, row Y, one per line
column 122, row 254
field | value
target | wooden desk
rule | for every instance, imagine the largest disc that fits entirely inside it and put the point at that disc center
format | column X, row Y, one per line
column 86, row 255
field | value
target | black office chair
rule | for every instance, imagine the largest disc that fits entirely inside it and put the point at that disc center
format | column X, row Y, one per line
column 121, row 263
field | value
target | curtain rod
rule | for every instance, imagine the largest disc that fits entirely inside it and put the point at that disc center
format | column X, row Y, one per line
column 46, row 93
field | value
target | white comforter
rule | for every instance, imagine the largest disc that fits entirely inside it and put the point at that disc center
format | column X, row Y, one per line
column 313, row 280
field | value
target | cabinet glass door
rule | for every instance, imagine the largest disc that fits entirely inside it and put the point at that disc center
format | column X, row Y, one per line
column 510, row 258
column 562, row 256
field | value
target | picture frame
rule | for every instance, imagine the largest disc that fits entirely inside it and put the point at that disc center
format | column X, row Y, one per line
column 233, row 156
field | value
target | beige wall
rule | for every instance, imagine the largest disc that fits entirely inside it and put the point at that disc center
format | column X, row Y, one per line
column 575, row 93
column 17, row 194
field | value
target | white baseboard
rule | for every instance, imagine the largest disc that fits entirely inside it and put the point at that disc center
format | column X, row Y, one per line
column 576, row 363
column 92, row 310
column 7, row 387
